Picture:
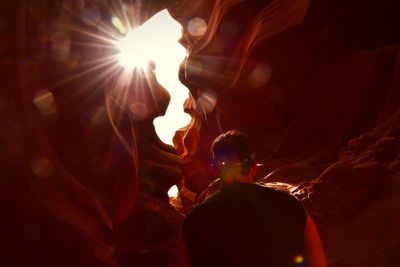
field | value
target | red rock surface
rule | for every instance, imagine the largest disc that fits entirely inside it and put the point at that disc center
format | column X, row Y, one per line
column 314, row 83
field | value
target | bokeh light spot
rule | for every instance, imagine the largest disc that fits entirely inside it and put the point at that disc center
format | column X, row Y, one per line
column 118, row 25
column 42, row 167
column 299, row 259
column 44, row 101
column 139, row 111
column 206, row 102
column 73, row 60
column 60, row 45
column 197, row 27
column 260, row 75
column 99, row 116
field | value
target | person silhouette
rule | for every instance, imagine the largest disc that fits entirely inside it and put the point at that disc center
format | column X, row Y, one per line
column 245, row 224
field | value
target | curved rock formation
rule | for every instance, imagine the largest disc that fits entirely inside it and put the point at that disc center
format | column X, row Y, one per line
column 314, row 83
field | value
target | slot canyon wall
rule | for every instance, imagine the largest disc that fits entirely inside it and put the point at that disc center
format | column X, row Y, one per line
column 84, row 177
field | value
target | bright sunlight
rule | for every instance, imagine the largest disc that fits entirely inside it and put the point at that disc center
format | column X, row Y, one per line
column 157, row 40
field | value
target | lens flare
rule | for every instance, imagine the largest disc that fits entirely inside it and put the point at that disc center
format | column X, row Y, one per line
column 299, row 259
column 157, row 41
column 102, row 45
column 118, row 24
column 197, row 27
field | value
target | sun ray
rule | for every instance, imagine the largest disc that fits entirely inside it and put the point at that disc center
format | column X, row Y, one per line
column 100, row 63
column 213, row 72
column 112, row 40
column 103, row 27
column 102, row 42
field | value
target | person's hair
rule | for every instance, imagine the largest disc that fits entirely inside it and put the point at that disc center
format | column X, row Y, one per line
column 233, row 147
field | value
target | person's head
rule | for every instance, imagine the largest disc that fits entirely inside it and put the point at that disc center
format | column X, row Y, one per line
column 233, row 157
